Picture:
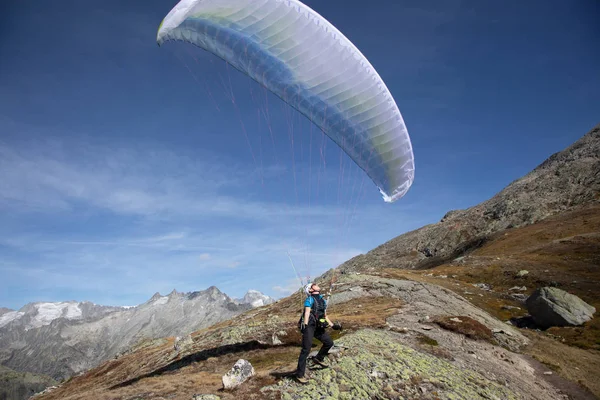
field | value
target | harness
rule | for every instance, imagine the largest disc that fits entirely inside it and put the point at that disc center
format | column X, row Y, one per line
column 317, row 313
column 317, row 310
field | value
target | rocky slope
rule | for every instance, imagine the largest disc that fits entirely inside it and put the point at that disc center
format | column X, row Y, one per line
column 63, row 339
column 564, row 181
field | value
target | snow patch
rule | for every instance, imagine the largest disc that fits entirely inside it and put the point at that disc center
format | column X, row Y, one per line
column 48, row 312
column 258, row 303
column 256, row 298
column 10, row 316
column 161, row 300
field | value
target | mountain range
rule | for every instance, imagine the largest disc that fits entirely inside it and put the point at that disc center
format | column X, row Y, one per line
column 65, row 338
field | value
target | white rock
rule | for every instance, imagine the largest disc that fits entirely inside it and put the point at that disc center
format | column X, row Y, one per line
column 240, row 373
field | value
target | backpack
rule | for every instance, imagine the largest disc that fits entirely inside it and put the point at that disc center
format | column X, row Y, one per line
column 317, row 311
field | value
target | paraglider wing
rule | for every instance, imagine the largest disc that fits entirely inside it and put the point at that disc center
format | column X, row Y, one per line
column 302, row 58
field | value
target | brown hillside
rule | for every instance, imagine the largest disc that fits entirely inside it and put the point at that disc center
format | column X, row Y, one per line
column 561, row 251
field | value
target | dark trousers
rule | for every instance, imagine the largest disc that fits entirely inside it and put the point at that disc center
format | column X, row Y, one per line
column 310, row 332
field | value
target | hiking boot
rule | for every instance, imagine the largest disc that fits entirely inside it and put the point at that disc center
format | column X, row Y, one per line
column 301, row 379
column 322, row 363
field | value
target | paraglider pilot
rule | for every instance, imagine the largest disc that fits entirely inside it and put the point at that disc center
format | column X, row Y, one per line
column 313, row 324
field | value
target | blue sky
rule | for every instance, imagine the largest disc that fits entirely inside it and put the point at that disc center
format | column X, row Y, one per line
column 125, row 169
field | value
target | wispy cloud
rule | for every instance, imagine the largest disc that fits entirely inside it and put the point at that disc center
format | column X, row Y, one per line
column 155, row 220
column 288, row 288
column 55, row 176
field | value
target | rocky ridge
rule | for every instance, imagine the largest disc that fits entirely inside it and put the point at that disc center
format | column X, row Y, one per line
column 566, row 180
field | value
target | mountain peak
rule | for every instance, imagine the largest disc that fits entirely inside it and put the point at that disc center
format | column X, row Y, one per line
column 155, row 296
column 38, row 314
column 256, row 298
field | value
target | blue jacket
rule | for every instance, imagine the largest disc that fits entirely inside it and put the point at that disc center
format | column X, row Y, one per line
column 310, row 301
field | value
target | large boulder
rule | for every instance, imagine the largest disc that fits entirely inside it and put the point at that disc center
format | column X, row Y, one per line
column 241, row 372
column 550, row 306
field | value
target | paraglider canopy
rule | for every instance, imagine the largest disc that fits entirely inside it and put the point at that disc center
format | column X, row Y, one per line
column 302, row 58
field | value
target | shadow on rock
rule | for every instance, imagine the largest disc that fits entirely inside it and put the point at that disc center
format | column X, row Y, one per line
column 524, row 322
column 283, row 374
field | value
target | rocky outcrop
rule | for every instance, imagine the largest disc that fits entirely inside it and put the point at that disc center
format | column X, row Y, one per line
column 550, row 306
column 239, row 373
column 423, row 303
column 568, row 179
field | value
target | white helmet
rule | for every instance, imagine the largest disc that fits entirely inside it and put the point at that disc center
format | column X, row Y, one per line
column 308, row 288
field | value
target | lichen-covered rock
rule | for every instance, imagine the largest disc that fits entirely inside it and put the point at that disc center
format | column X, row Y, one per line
column 240, row 373
column 206, row 397
column 421, row 300
column 376, row 365
column 550, row 306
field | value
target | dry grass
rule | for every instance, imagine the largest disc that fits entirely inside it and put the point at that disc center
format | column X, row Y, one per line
column 365, row 312
column 426, row 340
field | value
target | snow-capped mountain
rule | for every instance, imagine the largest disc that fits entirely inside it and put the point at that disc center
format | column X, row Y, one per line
column 256, row 299
column 35, row 315
column 63, row 339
